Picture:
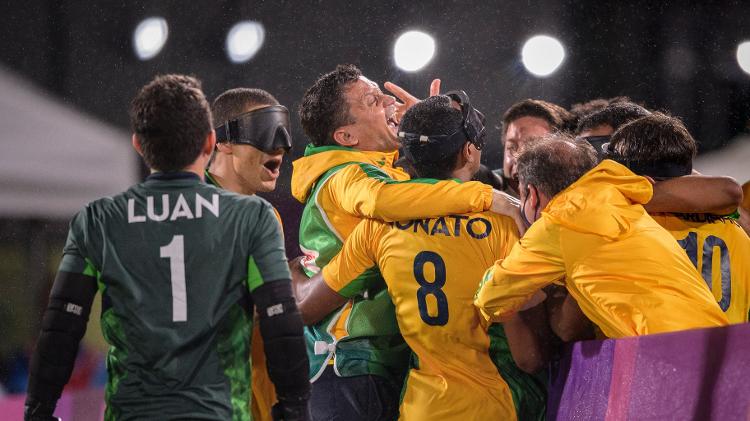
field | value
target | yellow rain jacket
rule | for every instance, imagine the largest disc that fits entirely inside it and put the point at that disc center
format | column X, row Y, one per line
column 628, row 274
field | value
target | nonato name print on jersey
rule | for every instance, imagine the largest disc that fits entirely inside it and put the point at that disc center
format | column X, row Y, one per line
column 449, row 226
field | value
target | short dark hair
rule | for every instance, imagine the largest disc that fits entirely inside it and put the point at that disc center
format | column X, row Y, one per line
column 556, row 116
column 406, row 165
column 234, row 102
column 432, row 117
column 171, row 119
column 614, row 115
column 324, row 108
column 583, row 109
column 555, row 162
column 487, row 176
column 653, row 140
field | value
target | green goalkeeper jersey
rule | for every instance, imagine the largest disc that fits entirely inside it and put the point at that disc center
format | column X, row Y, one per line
column 176, row 261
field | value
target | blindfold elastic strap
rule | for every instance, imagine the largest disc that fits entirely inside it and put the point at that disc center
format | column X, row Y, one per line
column 227, row 132
column 661, row 169
column 658, row 169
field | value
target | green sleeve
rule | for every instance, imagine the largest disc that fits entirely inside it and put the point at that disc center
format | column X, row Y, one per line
column 268, row 258
column 74, row 259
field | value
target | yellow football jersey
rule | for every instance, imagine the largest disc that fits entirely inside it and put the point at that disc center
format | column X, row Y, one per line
column 720, row 251
column 432, row 268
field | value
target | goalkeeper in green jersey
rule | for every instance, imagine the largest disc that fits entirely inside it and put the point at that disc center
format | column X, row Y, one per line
column 180, row 265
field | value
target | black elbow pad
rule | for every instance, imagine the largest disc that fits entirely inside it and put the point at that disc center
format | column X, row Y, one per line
column 283, row 339
column 63, row 326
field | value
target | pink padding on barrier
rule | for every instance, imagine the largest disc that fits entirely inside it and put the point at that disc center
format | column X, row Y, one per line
column 623, row 367
column 79, row 405
column 701, row 374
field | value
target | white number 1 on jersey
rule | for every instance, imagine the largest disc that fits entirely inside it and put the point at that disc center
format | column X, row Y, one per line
column 175, row 252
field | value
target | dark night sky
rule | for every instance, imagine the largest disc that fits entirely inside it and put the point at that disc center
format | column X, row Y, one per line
column 671, row 55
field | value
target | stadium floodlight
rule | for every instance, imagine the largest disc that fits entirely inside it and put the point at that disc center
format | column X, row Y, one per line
column 149, row 37
column 244, row 40
column 743, row 56
column 542, row 55
column 413, row 50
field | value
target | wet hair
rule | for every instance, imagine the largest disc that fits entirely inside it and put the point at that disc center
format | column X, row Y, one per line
column 432, row 117
column 583, row 109
column 614, row 115
column 655, row 140
column 556, row 116
column 171, row 118
column 554, row 162
column 235, row 102
column 324, row 108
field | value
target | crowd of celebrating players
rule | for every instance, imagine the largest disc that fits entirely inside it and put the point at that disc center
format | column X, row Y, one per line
column 430, row 287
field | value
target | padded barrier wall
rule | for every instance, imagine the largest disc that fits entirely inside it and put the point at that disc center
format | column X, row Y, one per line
column 700, row 374
column 695, row 375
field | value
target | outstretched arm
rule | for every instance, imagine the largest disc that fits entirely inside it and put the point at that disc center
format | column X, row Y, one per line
column 696, row 194
column 364, row 190
column 348, row 274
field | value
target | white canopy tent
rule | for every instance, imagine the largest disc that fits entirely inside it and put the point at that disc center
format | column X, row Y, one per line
column 732, row 160
column 54, row 158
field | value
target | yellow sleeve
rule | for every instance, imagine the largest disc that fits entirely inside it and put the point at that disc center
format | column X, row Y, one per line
column 354, row 268
column 366, row 191
column 509, row 235
column 533, row 263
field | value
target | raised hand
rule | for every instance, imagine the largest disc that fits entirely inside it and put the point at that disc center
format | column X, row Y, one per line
column 407, row 100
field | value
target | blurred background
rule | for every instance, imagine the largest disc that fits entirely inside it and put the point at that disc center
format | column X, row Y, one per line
column 68, row 70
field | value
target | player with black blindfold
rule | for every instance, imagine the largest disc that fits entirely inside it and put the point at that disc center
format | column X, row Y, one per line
column 266, row 129
column 253, row 134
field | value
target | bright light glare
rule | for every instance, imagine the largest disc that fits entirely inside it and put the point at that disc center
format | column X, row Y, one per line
column 244, row 40
column 743, row 56
column 542, row 55
column 149, row 37
column 413, row 50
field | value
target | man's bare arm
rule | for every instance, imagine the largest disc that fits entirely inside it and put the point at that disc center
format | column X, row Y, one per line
column 565, row 316
column 696, row 194
column 529, row 338
column 315, row 299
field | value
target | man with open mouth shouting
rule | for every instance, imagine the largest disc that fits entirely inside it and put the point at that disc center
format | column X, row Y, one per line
column 252, row 133
column 357, row 355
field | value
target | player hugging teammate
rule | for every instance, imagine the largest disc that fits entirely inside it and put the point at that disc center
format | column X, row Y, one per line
column 423, row 295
